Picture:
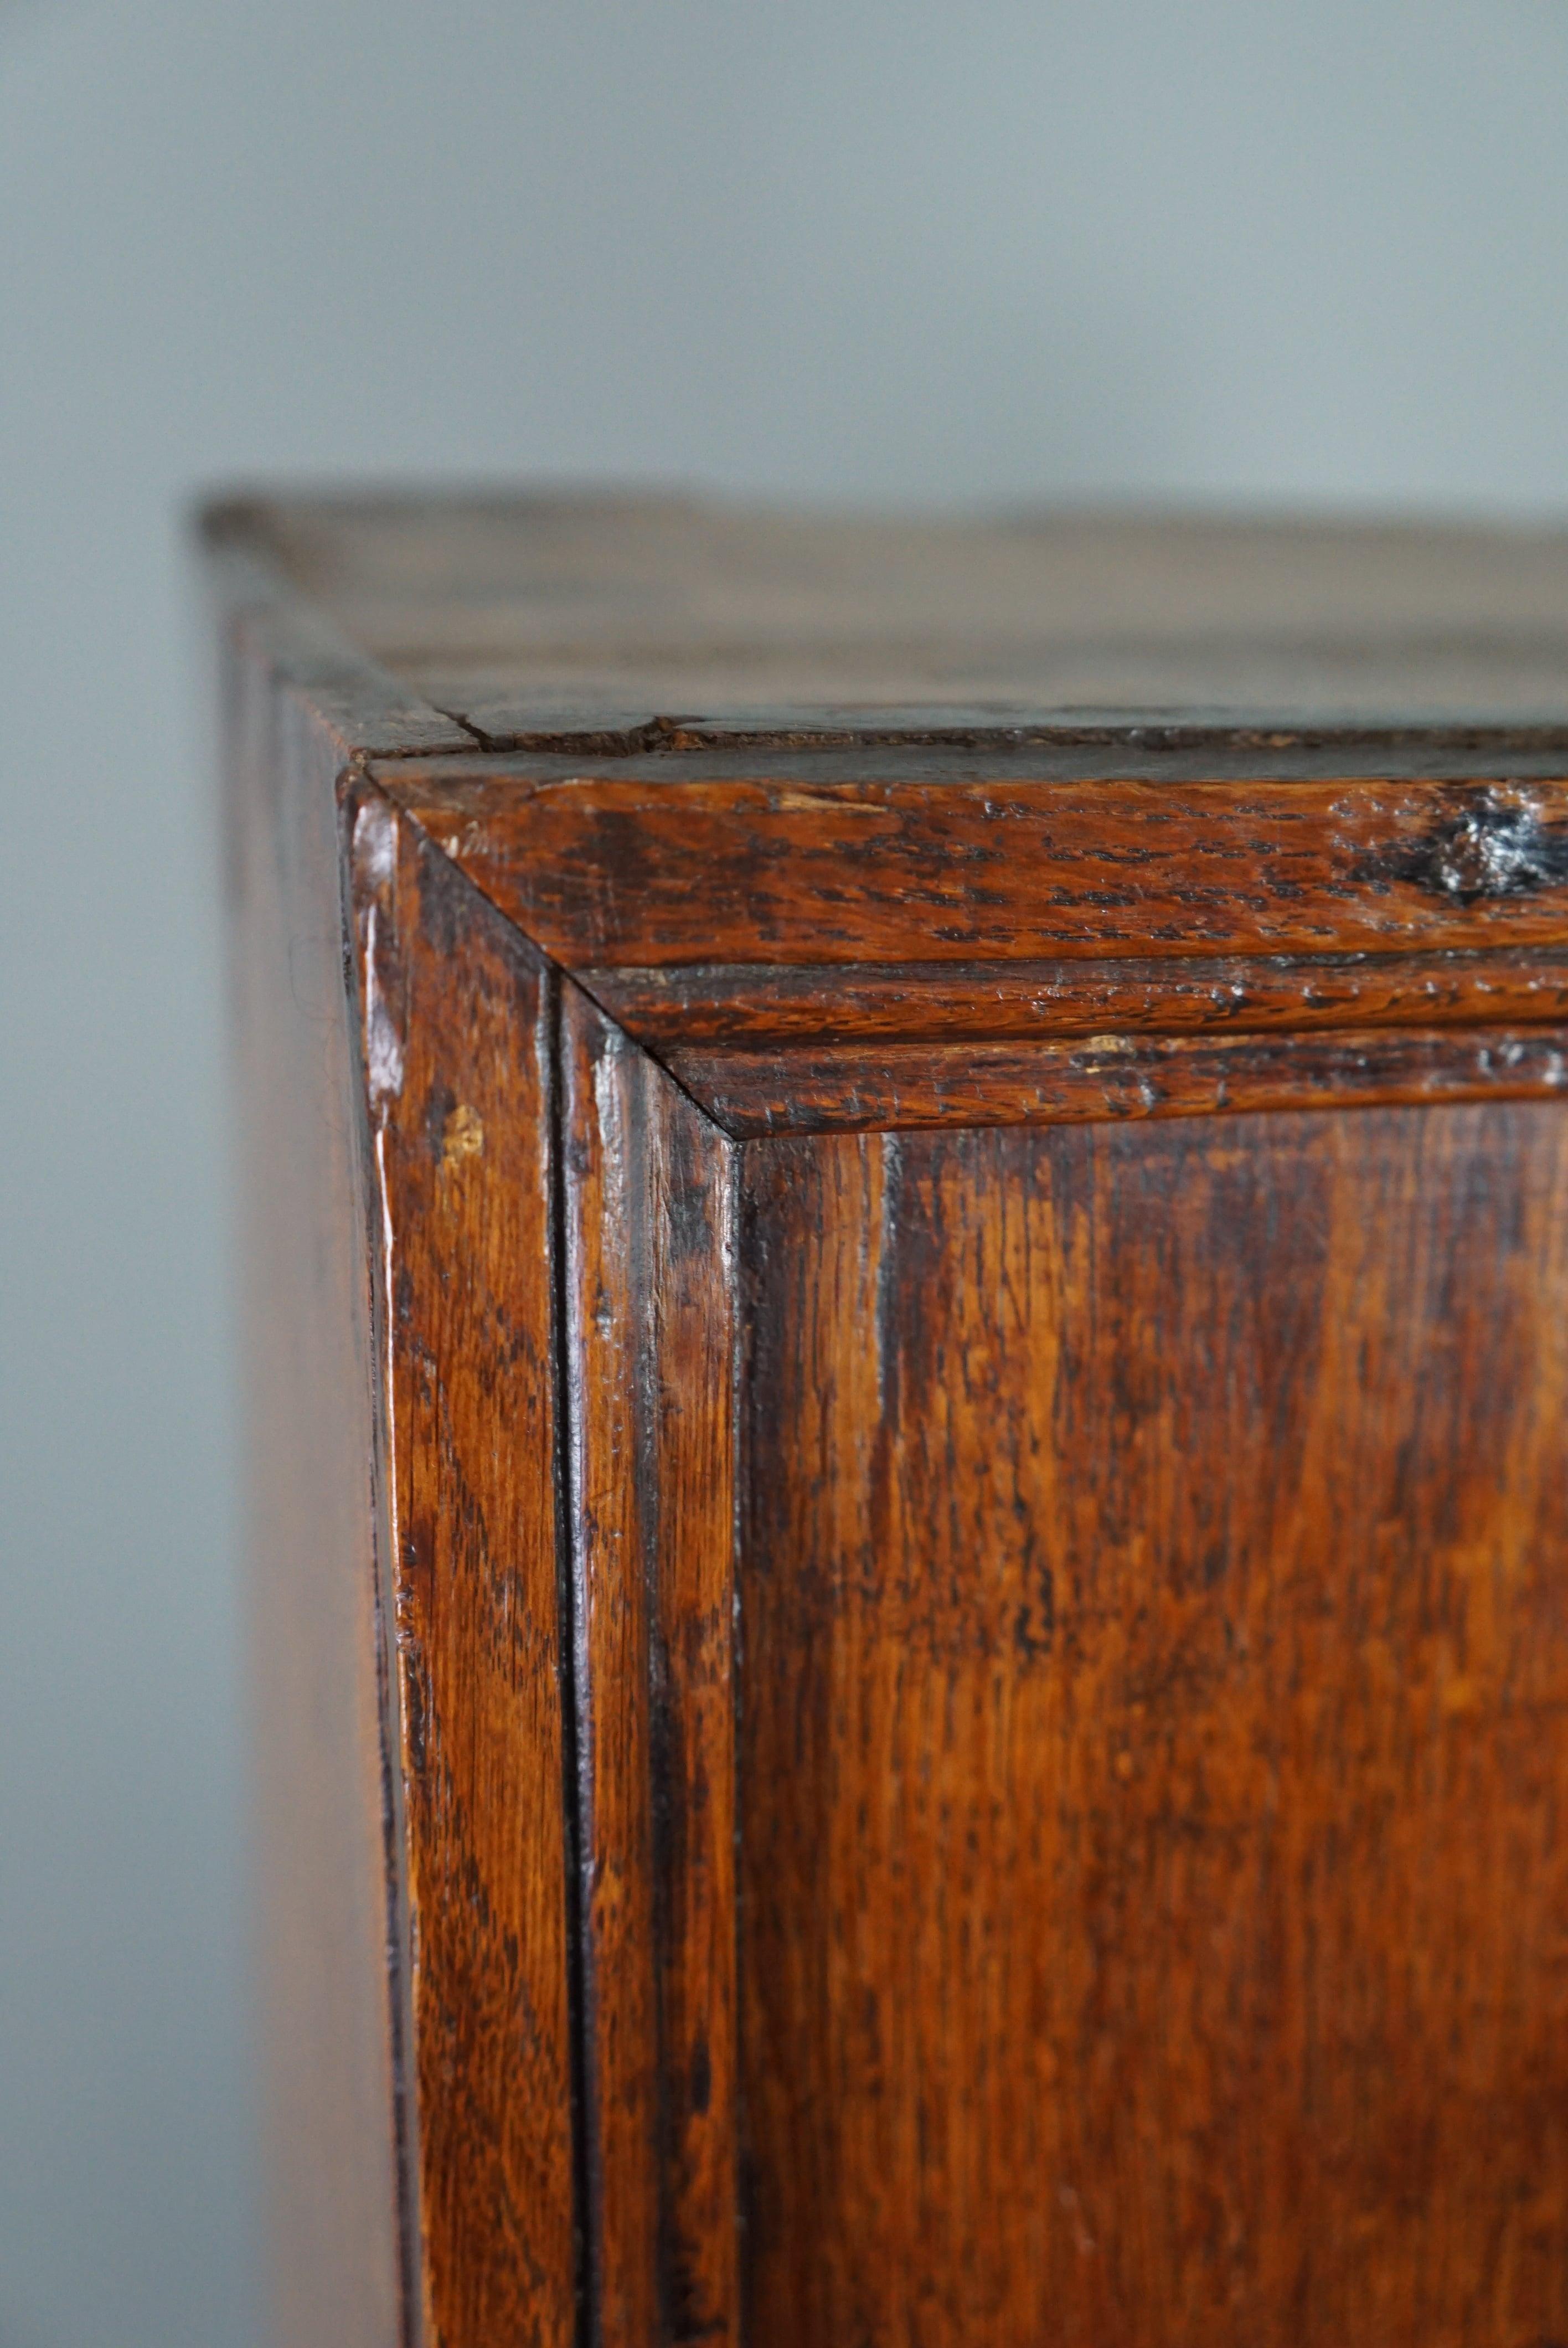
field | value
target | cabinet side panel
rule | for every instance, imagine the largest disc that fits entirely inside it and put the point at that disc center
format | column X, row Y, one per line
column 326, row 2019
column 457, row 1051
column 650, row 1349
column 1154, row 1734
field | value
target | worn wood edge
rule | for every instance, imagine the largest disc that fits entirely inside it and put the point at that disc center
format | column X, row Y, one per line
column 362, row 707
column 607, row 871
column 1167, row 735
column 569, row 980
column 1394, row 1028
column 791, row 1004
column 414, row 2331
column 484, row 785
column 393, row 949
column 905, row 1086
column 685, row 2271
column 609, row 1641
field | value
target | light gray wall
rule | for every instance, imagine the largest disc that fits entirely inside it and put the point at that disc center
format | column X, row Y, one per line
column 842, row 248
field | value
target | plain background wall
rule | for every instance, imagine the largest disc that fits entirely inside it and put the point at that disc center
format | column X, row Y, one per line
column 842, row 249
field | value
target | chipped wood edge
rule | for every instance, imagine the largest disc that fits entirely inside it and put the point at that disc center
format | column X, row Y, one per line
column 364, row 709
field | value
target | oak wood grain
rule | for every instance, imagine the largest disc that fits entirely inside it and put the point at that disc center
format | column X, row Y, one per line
column 694, row 866
column 749, row 1004
column 1153, row 1898
column 860, row 1087
column 901, row 1702
column 457, row 1067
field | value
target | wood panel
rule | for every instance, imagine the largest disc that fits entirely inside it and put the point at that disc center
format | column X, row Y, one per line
column 691, row 866
column 458, row 1082
column 1326, row 912
column 649, row 1347
column 948, row 1728
column 1154, row 1899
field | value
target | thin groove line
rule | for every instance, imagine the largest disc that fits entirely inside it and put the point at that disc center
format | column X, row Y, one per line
column 735, row 1207
column 572, row 1712
column 643, row 1150
column 399, row 1926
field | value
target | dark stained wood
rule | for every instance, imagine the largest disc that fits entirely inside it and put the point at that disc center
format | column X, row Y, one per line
column 748, row 1004
column 876, row 1735
column 1290, row 895
column 607, row 1485
column 694, row 866
column 651, row 1343
column 458, row 1059
column 1155, row 1900
column 857, row 1087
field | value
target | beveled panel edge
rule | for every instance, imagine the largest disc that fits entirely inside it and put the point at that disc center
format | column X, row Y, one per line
column 796, row 1006
column 893, row 1087
column 1415, row 1035
column 1452, row 982
column 649, row 1336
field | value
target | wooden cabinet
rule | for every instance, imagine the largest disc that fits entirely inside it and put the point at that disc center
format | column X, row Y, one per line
column 907, row 1207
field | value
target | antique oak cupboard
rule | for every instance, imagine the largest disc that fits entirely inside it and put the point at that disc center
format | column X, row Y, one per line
column 907, row 1223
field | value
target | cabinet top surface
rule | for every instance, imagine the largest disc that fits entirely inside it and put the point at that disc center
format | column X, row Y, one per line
column 529, row 617
column 875, row 824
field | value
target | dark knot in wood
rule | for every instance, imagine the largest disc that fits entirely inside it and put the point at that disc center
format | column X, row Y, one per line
column 1494, row 844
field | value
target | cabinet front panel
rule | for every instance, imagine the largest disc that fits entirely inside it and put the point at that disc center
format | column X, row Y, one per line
column 1153, row 1728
